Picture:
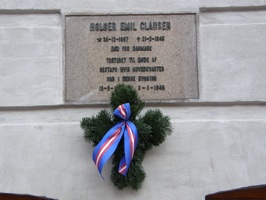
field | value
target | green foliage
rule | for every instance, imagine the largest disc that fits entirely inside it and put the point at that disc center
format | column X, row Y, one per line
column 153, row 129
column 134, row 178
column 96, row 127
column 160, row 126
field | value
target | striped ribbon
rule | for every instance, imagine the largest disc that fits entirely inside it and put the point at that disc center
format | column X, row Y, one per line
column 106, row 147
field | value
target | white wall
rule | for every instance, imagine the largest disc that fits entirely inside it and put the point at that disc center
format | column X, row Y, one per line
column 218, row 141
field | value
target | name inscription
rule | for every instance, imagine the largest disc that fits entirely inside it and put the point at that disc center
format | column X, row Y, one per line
column 154, row 53
column 130, row 26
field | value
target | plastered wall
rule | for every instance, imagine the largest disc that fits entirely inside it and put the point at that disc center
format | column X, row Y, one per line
column 218, row 142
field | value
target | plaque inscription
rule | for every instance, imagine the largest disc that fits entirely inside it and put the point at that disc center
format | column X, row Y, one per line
column 154, row 53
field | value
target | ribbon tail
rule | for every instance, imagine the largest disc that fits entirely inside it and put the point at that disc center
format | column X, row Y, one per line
column 106, row 147
column 122, row 166
column 130, row 144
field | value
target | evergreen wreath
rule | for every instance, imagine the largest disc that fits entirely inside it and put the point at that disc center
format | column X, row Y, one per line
column 152, row 129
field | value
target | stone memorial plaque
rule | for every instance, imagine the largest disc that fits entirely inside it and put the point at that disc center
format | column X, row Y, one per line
column 154, row 53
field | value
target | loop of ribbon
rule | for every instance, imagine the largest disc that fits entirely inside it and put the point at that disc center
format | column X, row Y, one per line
column 107, row 146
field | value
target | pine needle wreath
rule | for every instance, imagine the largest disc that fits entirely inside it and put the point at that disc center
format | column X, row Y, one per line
column 152, row 128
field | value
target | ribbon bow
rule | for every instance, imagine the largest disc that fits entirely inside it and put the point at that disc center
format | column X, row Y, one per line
column 106, row 147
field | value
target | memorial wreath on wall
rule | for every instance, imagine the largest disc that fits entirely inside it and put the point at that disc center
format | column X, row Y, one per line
column 126, row 135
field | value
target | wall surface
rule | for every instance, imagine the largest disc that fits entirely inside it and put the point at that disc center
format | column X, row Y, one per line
column 218, row 141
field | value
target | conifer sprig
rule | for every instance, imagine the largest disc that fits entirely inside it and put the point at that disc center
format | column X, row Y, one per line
column 153, row 128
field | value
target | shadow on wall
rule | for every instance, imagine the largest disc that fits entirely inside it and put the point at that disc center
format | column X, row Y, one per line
column 6, row 196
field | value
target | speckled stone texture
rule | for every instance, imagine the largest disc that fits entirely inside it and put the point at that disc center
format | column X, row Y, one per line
column 159, row 60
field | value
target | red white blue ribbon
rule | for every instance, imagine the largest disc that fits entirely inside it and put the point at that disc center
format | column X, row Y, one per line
column 107, row 146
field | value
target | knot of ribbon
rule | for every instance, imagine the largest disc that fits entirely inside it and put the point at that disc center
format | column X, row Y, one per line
column 106, row 147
